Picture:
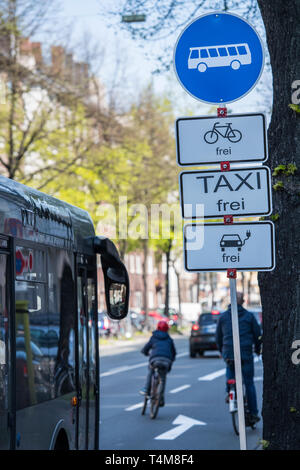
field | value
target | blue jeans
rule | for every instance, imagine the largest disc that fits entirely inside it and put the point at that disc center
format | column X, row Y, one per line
column 164, row 371
column 248, row 378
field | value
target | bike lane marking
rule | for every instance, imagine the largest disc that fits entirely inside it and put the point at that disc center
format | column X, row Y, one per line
column 134, row 407
column 219, row 373
column 179, row 389
column 183, row 424
column 213, row 375
column 117, row 370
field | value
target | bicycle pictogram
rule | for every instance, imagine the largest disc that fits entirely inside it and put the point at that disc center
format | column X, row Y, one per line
column 225, row 131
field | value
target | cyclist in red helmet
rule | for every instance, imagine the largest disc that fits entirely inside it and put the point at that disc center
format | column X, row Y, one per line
column 161, row 349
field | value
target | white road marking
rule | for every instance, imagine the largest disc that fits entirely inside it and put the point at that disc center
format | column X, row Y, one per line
column 183, row 424
column 213, row 375
column 219, row 373
column 134, row 407
column 117, row 370
column 182, row 354
column 179, row 389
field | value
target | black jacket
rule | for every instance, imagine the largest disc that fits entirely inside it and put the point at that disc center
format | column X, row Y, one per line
column 160, row 344
column 249, row 329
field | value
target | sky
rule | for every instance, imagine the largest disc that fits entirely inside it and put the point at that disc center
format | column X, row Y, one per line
column 125, row 66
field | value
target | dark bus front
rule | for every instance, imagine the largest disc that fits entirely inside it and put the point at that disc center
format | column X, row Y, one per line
column 49, row 358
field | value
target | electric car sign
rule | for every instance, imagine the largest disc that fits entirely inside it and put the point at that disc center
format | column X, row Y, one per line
column 236, row 138
column 218, row 247
column 242, row 192
column 218, row 58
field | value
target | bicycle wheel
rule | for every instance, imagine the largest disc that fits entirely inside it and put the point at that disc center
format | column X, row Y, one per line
column 235, row 422
column 155, row 397
column 234, row 136
column 211, row 137
column 145, row 404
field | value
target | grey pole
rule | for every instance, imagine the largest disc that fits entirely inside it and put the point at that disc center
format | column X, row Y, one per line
column 237, row 364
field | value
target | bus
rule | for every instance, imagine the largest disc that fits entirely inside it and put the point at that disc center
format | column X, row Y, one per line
column 229, row 55
column 49, row 351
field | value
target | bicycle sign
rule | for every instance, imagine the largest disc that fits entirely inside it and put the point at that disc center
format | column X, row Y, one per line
column 205, row 139
column 233, row 135
column 218, row 58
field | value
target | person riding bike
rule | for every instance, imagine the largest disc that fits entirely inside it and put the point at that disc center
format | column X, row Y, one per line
column 250, row 334
column 162, row 351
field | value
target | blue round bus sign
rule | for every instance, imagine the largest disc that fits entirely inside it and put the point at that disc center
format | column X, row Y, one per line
column 218, row 58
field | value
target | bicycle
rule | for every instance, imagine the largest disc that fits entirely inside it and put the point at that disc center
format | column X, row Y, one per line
column 233, row 135
column 233, row 409
column 157, row 389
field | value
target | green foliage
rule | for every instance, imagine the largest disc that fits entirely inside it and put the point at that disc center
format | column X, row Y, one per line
column 278, row 186
column 264, row 444
column 287, row 170
column 295, row 107
column 274, row 217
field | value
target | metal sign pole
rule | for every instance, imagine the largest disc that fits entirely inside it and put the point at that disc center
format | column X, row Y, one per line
column 237, row 364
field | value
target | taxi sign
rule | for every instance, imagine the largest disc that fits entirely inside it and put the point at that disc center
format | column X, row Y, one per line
column 240, row 192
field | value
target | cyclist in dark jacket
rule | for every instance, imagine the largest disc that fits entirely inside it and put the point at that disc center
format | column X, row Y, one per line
column 161, row 349
column 250, row 335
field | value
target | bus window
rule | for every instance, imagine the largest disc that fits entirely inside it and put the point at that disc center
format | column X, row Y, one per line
column 4, row 363
column 222, row 51
column 232, row 51
column 194, row 54
column 62, row 317
column 213, row 52
column 203, row 54
column 242, row 50
column 32, row 365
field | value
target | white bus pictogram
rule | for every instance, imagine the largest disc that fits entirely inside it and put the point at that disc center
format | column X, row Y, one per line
column 230, row 55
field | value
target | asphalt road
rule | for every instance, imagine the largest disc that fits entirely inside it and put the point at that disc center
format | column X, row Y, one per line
column 195, row 416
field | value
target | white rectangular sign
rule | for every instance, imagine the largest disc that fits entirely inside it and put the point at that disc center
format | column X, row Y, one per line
column 242, row 192
column 235, row 138
column 218, row 247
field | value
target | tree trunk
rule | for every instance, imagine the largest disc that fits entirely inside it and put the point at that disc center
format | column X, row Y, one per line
column 280, row 289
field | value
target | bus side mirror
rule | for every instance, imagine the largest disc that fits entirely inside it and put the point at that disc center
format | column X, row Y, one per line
column 116, row 278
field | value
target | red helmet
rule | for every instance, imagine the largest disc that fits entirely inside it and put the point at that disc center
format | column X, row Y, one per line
column 162, row 325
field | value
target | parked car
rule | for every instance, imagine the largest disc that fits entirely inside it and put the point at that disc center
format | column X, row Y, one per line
column 137, row 320
column 203, row 333
column 172, row 315
column 103, row 324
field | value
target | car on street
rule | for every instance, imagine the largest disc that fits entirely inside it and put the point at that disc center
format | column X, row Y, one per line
column 137, row 320
column 172, row 315
column 104, row 324
column 203, row 333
